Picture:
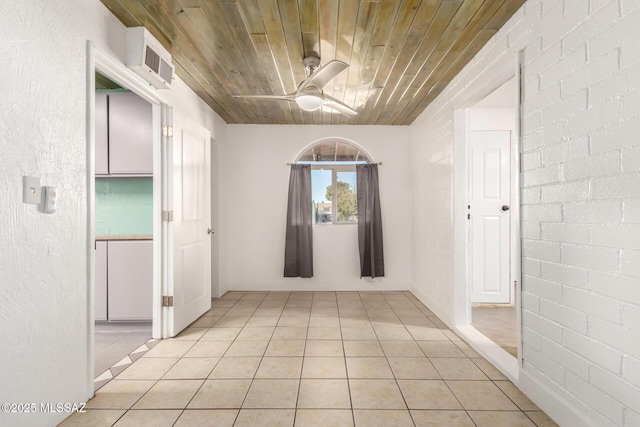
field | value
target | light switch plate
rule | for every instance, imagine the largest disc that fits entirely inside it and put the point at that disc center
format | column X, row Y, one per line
column 31, row 192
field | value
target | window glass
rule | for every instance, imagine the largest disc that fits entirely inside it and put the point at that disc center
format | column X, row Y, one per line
column 347, row 200
column 322, row 205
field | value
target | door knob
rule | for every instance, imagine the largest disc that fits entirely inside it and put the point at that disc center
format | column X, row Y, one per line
column 505, row 208
column 210, row 231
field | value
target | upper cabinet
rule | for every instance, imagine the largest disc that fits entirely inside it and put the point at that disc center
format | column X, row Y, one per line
column 102, row 135
column 124, row 134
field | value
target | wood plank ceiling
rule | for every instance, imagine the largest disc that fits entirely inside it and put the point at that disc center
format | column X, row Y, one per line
column 402, row 53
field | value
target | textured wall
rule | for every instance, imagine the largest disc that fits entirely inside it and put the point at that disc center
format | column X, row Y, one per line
column 124, row 206
column 43, row 258
column 581, row 197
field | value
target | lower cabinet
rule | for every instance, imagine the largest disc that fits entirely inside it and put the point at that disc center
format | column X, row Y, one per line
column 101, row 281
column 124, row 280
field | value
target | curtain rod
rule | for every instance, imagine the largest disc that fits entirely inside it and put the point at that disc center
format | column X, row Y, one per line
column 374, row 163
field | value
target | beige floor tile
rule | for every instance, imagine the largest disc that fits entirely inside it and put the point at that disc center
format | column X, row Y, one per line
column 324, row 322
column 426, row 333
column 232, row 321
column 208, row 349
column 223, row 394
column 392, row 333
column 362, row 349
column 418, row 321
column 93, row 418
column 481, row 395
column 500, row 419
column 455, row 368
column 285, row 348
column 170, row 348
column 409, row 312
column 294, row 320
column 207, row 418
column 156, row 418
column 324, row 393
column 151, row 368
column 358, row 334
column 437, row 418
column 169, row 394
column 235, row 368
column 428, row 394
column 272, row 394
column 329, row 333
column 466, row 349
column 289, row 333
column 376, row 394
column 280, row 367
column 440, row 349
column 354, row 313
column 489, row 370
column 221, row 334
column 401, row 349
column 541, row 419
column 265, row 418
column 368, row 367
column 216, row 312
column 256, row 333
column 382, row 418
column 324, row 309
column 119, row 394
column 516, row 396
column 191, row 334
column 205, row 322
column 268, row 311
column 355, row 322
column 324, row 418
column 413, row 368
column 191, row 368
column 324, row 348
column 324, row 367
column 247, row 348
column 240, row 312
column 263, row 321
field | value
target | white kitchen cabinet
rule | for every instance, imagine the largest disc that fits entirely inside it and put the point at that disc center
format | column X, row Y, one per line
column 130, row 134
column 102, row 135
column 130, row 272
column 100, row 312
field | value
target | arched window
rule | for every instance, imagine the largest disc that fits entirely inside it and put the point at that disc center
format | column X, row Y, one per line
column 333, row 180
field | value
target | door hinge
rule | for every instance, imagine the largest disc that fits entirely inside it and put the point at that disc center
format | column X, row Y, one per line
column 167, row 301
column 167, row 216
column 167, row 131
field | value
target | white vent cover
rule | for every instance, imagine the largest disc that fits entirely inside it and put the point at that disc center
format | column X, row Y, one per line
column 147, row 57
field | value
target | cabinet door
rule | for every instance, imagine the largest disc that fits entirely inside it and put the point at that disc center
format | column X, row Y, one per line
column 130, row 272
column 101, row 281
column 130, row 134
column 102, row 135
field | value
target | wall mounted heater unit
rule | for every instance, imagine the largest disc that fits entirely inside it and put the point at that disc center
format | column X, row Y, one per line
column 147, row 57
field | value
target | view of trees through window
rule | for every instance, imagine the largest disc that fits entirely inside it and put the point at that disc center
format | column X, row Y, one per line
column 333, row 181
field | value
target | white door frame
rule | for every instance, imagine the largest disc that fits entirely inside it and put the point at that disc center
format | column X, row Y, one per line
column 113, row 68
column 506, row 363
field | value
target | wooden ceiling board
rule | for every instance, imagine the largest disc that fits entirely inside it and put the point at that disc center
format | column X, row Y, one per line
column 402, row 53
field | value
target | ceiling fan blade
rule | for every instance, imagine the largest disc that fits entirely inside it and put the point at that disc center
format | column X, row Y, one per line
column 339, row 106
column 268, row 97
column 323, row 74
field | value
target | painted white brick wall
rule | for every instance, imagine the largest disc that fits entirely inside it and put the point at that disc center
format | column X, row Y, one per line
column 580, row 197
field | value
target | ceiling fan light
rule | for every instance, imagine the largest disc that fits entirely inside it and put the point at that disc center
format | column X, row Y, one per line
column 309, row 102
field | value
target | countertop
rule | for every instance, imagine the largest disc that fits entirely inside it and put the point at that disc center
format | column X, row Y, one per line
column 125, row 237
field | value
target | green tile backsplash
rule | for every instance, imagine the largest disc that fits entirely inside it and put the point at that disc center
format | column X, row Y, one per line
column 124, row 206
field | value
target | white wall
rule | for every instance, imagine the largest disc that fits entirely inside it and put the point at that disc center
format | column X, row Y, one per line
column 257, row 184
column 43, row 267
column 581, row 201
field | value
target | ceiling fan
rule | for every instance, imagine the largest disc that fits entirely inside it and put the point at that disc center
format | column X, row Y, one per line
column 309, row 95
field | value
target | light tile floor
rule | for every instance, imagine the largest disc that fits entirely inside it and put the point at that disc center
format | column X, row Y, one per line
column 498, row 323
column 312, row 359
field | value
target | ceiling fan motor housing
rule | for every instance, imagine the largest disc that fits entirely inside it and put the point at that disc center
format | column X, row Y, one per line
column 311, row 63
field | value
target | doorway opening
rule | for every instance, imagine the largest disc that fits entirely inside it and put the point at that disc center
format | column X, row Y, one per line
column 487, row 260
column 122, row 180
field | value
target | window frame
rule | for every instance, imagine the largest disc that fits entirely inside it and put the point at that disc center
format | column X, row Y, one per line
column 335, row 168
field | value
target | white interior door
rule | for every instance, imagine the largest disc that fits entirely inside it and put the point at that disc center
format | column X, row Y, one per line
column 191, row 202
column 490, row 216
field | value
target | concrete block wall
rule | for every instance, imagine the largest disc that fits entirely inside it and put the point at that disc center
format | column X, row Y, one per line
column 580, row 197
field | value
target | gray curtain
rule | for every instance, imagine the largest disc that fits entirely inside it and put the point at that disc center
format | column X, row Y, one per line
column 298, row 250
column 369, row 222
